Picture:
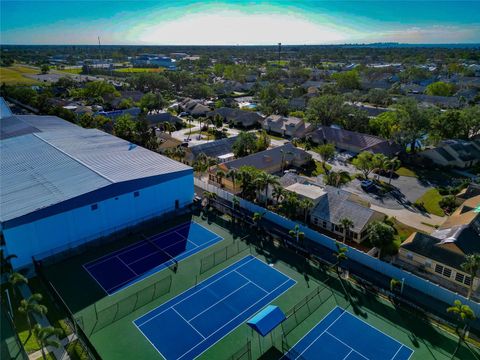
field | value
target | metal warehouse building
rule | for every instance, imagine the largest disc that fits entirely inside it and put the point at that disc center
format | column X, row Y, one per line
column 62, row 185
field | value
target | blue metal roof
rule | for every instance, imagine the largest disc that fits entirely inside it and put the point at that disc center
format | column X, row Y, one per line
column 58, row 161
column 266, row 320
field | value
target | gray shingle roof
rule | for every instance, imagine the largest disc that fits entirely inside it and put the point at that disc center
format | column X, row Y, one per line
column 336, row 205
column 214, row 148
column 58, row 161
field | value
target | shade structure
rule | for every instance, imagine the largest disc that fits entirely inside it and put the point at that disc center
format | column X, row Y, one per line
column 266, row 320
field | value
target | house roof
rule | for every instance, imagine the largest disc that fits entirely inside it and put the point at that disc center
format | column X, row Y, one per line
column 214, row 148
column 337, row 205
column 247, row 118
column 450, row 249
column 343, row 138
column 265, row 159
column 52, row 161
column 312, row 192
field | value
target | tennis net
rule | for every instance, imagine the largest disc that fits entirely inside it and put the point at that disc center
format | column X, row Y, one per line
column 172, row 259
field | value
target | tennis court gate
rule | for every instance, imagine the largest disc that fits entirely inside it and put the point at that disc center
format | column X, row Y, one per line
column 245, row 353
column 76, row 329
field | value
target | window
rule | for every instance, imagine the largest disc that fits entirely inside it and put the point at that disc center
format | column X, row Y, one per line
column 428, row 263
column 410, row 256
column 447, row 272
column 439, row 268
column 315, row 221
column 468, row 280
column 459, row 277
column 136, row 194
column 324, row 224
column 94, row 207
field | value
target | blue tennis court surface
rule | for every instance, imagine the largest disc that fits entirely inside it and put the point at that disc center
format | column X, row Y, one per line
column 123, row 267
column 190, row 323
column 341, row 335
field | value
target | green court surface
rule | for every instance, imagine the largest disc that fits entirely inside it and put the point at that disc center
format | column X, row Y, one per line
column 108, row 320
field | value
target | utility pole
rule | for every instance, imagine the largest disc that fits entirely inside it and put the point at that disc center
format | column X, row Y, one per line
column 279, row 52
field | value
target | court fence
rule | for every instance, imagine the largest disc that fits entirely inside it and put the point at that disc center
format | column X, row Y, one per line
column 304, row 308
column 245, row 353
column 220, row 256
column 128, row 305
column 13, row 345
column 82, row 339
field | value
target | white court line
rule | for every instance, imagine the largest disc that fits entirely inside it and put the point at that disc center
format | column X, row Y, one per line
column 193, row 327
column 133, row 246
column 393, row 357
column 194, row 293
column 323, row 332
column 328, row 333
column 244, row 311
column 159, row 252
column 351, row 350
column 124, row 263
column 219, row 301
column 250, row 281
column 252, row 258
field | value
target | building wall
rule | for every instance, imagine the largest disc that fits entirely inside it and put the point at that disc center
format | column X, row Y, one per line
column 69, row 229
column 452, row 275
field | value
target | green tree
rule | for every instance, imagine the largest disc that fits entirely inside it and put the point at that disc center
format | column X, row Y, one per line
column 379, row 97
column 336, row 178
column 45, row 69
column 380, row 235
column 297, row 234
column 152, row 101
column 306, row 205
column 245, row 144
column 290, row 204
column 413, row 122
column 394, row 283
column 440, row 88
column 364, row 162
column 463, row 314
column 263, row 181
column 340, row 256
column 347, row 80
column 124, row 127
column 278, row 192
column 44, row 337
column 472, row 267
column 326, row 152
column 98, row 89
column 263, row 140
column 232, row 174
column 346, row 225
column 31, row 306
column 326, row 109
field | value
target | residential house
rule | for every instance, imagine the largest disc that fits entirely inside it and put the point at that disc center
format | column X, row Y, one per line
column 439, row 256
column 271, row 161
column 237, row 117
column 155, row 118
column 353, row 141
column 455, row 153
column 217, row 149
column 287, row 126
column 470, row 191
column 194, row 107
column 337, row 204
column 305, row 190
column 440, row 101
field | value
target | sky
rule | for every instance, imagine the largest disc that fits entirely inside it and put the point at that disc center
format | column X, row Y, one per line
column 238, row 22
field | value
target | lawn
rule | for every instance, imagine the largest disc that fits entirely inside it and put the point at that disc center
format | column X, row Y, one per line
column 430, row 201
column 71, row 71
column 403, row 171
column 14, row 75
column 140, row 70
column 274, row 137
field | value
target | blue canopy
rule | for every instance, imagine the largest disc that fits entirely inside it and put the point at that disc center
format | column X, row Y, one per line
column 266, row 320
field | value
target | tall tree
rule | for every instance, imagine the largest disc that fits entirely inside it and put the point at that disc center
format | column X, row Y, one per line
column 346, row 225
column 472, row 267
column 381, row 235
column 245, row 144
column 336, row 178
column 44, row 337
column 326, row 152
column 31, row 306
column 326, row 109
column 364, row 163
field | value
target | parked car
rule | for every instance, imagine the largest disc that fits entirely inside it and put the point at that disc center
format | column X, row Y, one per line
column 368, row 185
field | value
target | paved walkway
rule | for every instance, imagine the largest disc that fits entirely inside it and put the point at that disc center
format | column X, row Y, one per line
column 413, row 219
column 64, row 342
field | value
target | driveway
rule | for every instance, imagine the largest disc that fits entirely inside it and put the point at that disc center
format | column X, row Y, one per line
column 416, row 220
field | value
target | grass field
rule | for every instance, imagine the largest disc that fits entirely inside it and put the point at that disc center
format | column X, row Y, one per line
column 75, row 71
column 430, row 201
column 140, row 70
column 121, row 339
column 403, row 171
column 14, row 75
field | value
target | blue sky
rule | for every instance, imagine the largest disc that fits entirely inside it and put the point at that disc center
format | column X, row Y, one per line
column 243, row 22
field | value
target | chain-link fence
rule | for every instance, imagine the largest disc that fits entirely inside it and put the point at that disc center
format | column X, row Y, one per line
column 245, row 353
column 126, row 306
column 210, row 261
column 304, row 308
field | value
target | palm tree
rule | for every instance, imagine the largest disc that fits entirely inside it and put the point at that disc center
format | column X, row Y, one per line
column 31, row 306
column 297, row 234
column 393, row 164
column 290, row 204
column 189, row 121
column 336, row 178
column 179, row 153
column 394, row 283
column 16, row 278
column 306, row 205
column 340, row 255
column 44, row 337
column 232, row 174
column 326, row 152
column 463, row 314
column 257, row 218
column 284, row 154
column 220, row 175
column 6, row 262
column 207, row 123
column 278, row 192
column 471, row 266
column 263, row 181
column 346, row 225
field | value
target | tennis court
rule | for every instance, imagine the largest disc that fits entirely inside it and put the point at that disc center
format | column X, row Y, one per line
column 190, row 323
column 126, row 266
column 341, row 335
